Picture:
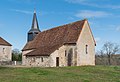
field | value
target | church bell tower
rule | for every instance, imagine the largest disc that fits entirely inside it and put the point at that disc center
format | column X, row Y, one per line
column 34, row 28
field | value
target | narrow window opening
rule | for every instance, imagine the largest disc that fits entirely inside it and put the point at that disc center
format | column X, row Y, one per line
column 3, row 50
column 86, row 49
column 65, row 53
column 42, row 59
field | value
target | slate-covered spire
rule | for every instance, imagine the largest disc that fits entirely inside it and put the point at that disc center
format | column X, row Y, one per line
column 34, row 28
column 35, row 22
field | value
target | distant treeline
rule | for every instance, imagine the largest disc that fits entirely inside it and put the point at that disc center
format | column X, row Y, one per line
column 103, row 60
column 105, row 56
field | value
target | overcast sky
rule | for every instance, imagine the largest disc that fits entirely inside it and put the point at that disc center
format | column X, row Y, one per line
column 16, row 18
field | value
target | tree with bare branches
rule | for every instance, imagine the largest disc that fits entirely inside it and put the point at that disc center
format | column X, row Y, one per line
column 109, row 49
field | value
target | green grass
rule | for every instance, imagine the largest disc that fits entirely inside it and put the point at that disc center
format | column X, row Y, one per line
column 65, row 74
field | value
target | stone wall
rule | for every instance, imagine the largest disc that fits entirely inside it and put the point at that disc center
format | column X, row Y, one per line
column 86, row 38
column 3, row 63
column 63, row 53
column 12, row 63
column 39, row 61
column 24, row 56
column 5, row 53
column 50, row 61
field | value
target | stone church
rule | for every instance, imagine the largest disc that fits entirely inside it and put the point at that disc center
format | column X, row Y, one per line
column 72, row 44
column 5, row 50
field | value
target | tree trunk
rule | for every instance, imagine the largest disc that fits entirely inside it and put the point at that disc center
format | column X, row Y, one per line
column 109, row 58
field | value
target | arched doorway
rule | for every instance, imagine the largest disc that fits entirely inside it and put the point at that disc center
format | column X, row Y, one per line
column 70, row 55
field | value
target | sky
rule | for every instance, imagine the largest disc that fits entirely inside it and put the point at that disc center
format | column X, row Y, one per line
column 16, row 18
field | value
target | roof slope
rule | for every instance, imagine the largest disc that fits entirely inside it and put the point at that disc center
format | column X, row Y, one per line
column 48, row 41
column 4, row 42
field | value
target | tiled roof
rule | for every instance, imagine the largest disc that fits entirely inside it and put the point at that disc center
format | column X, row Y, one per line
column 4, row 42
column 48, row 41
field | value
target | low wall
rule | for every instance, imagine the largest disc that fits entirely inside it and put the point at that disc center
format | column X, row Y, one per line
column 10, row 63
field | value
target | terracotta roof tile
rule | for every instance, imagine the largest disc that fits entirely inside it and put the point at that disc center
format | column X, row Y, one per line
column 48, row 41
column 43, row 51
column 4, row 42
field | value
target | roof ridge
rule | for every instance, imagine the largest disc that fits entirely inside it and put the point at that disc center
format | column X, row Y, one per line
column 63, row 25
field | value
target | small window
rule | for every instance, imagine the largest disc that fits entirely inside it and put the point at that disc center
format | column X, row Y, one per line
column 3, row 50
column 36, row 32
column 86, row 49
column 33, row 59
column 42, row 59
column 65, row 53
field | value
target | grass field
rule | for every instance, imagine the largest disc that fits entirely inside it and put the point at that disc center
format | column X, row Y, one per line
column 65, row 74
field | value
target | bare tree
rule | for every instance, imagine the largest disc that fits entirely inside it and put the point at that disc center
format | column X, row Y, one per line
column 16, row 55
column 109, row 49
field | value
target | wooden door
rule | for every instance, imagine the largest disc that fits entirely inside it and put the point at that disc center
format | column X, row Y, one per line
column 57, row 61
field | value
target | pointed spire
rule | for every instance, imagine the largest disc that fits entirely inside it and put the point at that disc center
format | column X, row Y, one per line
column 34, row 28
column 34, row 10
column 35, row 22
